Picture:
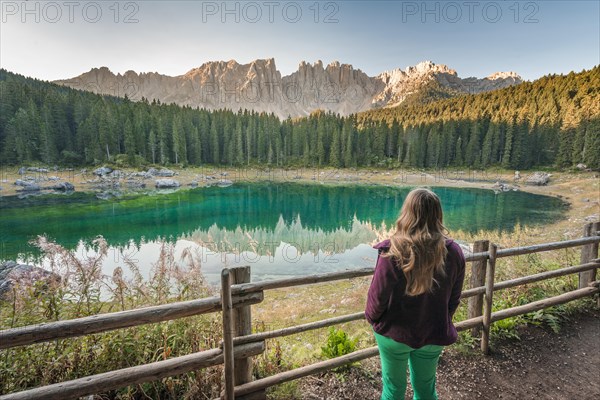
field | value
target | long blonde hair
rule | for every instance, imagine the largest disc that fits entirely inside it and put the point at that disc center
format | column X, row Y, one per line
column 419, row 241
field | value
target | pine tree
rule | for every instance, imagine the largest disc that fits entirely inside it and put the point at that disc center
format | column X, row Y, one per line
column 129, row 141
column 335, row 150
column 592, row 144
column 214, row 140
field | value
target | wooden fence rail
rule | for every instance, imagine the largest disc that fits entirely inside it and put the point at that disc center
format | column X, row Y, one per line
column 239, row 343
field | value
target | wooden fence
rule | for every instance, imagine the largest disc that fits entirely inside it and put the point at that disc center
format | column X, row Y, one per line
column 239, row 343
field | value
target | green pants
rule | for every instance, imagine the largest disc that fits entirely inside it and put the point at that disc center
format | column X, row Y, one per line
column 423, row 365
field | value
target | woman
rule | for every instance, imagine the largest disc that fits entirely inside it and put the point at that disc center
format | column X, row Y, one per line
column 413, row 296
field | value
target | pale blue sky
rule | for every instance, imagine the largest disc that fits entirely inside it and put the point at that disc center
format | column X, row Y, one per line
column 476, row 38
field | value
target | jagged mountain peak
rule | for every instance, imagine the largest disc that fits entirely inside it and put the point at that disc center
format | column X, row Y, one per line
column 505, row 75
column 259, row 86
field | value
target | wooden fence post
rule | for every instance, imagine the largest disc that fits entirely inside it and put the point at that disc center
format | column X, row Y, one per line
column 487, row 305
column 588, row 253
column 227, row 334
column 242, row 319
column 475, row 303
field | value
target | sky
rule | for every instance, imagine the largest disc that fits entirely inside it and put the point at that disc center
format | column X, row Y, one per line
column 61, row 39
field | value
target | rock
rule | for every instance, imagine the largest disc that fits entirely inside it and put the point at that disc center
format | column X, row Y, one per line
column 103, row 171
column 36, row 169
column 581, row 166
column 63, row 187
column 22, row 171
column 141, row 174
column 20, row 182
column 12, row 273
column 517, row 175
column 193, row 184
column 117, row 174
column 502, row 187
column 167, row 184
column 152, row 171
column 106, row 184
column 165, row 172
column 136, row 185
column 224, row 183
column 33, row 187
column 538, row 179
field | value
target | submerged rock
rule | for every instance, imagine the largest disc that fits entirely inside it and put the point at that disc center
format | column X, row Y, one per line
column 12, row 273
column 167, row 184
column 109, row 194
column 224, row 183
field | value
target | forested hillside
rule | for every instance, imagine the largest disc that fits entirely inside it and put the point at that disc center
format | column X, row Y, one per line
column 552, row 121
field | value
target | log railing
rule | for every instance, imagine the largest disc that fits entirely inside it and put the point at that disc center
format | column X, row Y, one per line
column 239, row 344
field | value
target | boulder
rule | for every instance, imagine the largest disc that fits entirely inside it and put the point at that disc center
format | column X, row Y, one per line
column 22, row 171
column 63, row 187
column 103, row 171
column 166, row 184
column 36, row 169
column 20, row 182
column 12, row 273
column 538, row 179
column 581, row 167
column 165, row 172
column 152, row 171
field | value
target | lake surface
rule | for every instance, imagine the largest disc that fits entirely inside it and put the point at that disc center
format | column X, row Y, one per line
column 280, row 229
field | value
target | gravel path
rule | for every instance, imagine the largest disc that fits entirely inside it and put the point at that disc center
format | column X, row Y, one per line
column 542, row 365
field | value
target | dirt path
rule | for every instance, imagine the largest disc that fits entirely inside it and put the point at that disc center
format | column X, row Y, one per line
column 542, row 365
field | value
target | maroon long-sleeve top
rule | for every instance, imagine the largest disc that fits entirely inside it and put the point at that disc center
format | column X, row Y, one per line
column 415, row 320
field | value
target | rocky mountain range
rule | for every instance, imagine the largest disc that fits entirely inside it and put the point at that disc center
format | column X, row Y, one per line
column 260, row 86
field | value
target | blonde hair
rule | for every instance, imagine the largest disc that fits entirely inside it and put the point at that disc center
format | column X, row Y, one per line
column 419, row 241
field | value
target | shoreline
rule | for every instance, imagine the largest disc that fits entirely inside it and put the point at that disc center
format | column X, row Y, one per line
column 580, row 190
column 189, row 178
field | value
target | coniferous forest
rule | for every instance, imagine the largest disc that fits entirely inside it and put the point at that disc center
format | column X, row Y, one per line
column 553, row 121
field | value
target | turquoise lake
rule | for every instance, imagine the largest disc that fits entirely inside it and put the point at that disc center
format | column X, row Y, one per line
column 280, row 229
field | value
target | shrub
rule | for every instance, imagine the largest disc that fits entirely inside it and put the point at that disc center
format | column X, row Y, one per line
column 338, row 344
